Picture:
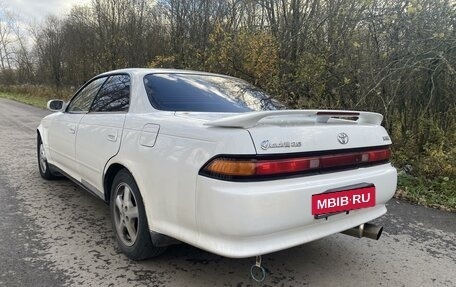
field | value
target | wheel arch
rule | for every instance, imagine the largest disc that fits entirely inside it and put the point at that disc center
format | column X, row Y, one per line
column 39, row 132
column 108, row 178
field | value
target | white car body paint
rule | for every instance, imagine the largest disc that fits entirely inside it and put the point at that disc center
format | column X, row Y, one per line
column 98, row 140
column 164, row 151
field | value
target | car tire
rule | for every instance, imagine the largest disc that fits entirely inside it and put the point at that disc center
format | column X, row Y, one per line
column 43, row 165
column 129, row 219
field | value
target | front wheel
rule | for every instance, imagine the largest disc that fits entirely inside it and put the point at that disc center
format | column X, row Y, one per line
column 129, row 219
column 43, row 165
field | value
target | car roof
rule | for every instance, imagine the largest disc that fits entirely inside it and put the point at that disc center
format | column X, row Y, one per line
column 145, row 71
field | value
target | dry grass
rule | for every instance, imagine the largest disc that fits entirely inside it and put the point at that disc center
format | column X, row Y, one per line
column 35, row 95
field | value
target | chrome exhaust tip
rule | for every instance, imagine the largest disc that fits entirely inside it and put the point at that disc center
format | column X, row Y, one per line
column 367, row 230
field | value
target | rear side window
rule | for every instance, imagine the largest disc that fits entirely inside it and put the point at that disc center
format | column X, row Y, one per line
column 205, row 93
column 82, row 101
column 114, row 95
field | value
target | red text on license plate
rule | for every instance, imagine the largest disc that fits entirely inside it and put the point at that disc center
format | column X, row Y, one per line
column 338, row 201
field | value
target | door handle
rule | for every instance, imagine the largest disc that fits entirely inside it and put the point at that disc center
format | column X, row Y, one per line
column 72, row 130
column 112, row 137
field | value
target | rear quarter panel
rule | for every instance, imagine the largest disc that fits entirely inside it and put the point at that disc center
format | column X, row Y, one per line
column 167, row 173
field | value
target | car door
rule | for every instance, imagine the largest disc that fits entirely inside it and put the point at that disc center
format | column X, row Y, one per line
column 100, row 131
column 62, row 129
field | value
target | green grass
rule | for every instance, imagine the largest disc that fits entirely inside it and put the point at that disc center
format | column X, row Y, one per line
column 439, row 192
column 35, row 95
column 39, row 102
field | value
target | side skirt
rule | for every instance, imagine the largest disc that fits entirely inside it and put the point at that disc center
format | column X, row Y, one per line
column 84, row 185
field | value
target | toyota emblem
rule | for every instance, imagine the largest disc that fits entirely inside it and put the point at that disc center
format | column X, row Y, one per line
column 342, row 138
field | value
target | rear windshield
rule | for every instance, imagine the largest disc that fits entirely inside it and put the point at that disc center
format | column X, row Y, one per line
column 205, row 93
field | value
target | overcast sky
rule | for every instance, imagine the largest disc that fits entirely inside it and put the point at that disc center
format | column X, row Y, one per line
column 37, row 10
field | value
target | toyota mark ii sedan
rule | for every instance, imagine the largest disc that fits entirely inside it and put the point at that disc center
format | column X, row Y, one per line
column 210, row 160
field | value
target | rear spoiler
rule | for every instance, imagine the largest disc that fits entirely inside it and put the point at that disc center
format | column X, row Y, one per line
column 251, row 119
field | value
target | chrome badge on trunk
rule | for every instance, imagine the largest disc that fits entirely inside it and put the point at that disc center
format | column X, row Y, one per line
column 266, row 144
column 342, row 138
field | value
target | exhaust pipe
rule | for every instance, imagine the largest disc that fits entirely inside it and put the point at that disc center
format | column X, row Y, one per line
column 368, row 230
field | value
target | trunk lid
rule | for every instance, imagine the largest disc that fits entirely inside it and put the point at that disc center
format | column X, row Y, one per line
column 271, row 139
column 296, row 131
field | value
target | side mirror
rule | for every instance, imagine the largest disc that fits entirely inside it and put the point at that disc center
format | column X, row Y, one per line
column 55, row 105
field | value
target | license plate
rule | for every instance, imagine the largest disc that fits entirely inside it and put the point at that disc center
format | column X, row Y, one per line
column 345, row 200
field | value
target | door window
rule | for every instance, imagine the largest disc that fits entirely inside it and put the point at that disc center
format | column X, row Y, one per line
column 114, row 96
column 82, row 101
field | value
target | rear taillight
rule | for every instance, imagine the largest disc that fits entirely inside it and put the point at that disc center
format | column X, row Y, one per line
column 232, row 168
column 223, row 166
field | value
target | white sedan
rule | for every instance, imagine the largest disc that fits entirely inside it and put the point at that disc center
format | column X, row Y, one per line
column 213, row 161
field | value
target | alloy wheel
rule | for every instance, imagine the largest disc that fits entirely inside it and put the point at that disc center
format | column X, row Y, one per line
column 126, row 215
column 43, row 159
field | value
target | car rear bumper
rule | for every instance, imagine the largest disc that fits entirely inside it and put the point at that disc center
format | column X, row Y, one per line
column 243, row 219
